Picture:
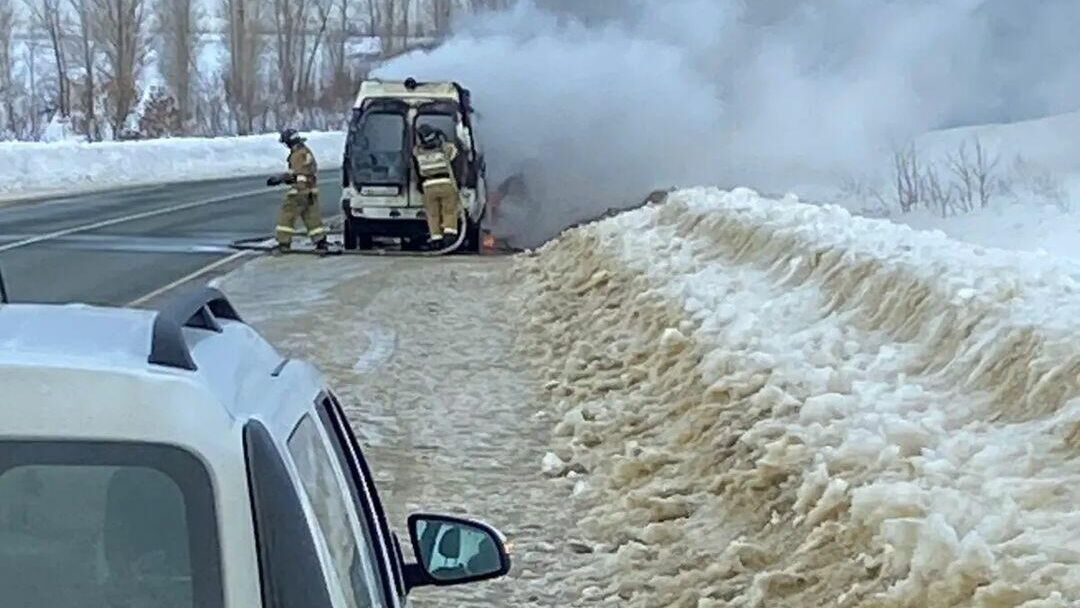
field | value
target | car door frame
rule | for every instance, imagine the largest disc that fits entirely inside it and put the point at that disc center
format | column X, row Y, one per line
column 267, row 463
column 331, row 415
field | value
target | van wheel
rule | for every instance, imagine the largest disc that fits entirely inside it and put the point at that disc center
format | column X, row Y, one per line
column 349, row 236
column 473, row 240
column 357, row 235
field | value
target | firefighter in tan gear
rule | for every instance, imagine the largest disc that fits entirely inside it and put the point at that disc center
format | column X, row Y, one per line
column 442, row 201
column 302, row 198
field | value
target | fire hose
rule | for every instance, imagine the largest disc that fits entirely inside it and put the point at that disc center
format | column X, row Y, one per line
column 259, row 243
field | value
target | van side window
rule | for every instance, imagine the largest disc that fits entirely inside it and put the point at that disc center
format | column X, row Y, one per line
column 354, row 554
column 289, row 565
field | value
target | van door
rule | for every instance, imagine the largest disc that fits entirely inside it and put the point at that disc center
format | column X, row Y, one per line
column 379, row 156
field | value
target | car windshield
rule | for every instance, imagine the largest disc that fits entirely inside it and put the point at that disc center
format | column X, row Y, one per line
column 86, row 524
column 376, row 149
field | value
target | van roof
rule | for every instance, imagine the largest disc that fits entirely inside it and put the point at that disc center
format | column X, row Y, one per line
column 398, row 90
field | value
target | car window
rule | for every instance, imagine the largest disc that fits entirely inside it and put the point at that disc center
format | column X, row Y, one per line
column 94, row 524
column 361, row 485
column 354, row 554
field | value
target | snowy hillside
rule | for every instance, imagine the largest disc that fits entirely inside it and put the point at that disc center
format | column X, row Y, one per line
column 1036, row 205
column 766, row 403
column 63, row 167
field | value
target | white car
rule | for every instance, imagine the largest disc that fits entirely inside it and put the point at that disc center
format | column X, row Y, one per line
column 174, row 459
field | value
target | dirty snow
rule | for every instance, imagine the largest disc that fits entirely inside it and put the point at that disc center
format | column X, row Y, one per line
column 71, row 166
column 778, row 404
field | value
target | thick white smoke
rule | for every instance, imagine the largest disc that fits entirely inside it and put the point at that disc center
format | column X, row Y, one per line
column 638, row 95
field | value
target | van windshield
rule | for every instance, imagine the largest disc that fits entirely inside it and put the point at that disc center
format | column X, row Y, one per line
column 377, row 149
column 97, row 524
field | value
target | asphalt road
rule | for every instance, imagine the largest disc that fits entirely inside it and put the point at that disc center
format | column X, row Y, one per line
column 113, row 248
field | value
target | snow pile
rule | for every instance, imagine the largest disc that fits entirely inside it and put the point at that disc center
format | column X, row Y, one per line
column 766, row 403
column 31, row 168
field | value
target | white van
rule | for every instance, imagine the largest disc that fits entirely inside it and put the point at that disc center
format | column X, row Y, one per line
column 381, row 196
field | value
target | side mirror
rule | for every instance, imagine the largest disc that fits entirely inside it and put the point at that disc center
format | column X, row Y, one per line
column 454, row 551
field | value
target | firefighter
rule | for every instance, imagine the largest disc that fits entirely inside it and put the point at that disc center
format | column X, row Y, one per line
column 435, row 165
column 302, row 198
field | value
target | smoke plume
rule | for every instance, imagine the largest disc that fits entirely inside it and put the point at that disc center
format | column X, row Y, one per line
column 598, row 103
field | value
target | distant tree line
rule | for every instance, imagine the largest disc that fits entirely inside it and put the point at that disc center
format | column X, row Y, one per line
column 120, row 69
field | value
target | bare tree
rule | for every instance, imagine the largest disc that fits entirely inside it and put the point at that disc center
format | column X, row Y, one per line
column 46, row 15
column 975, row 176
column 963, row 172
column 244, row 18
column 984, row 174
column 85, row 20
column 120, row 30
column 374, row 17
column 31, row 62
column 300, row 28
column 178, row 21
column 339, row 76
column 387, row 28
column 909, row 179
column 7, row 82
column 488, row 5
column 442, row 14
column 939, row 196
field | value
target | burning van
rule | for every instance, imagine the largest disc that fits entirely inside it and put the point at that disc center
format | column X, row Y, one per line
column 381, row 198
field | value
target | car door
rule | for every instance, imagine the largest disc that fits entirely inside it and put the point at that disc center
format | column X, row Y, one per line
column 355, row 548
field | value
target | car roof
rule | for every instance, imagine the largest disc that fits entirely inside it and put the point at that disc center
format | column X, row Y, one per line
column 76, row 333
column 221, row 357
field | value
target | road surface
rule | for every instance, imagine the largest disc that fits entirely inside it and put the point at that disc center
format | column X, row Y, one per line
column 117, row 247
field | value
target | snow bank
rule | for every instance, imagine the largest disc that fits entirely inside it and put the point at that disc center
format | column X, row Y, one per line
column 31, row 168
column 778, row 404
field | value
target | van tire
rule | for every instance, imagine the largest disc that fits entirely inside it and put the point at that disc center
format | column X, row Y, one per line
column 473, row 240
column 357, row 235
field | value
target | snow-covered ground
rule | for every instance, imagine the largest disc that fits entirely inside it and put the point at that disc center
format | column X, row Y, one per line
column 29, row 169
column 1017, row 226
column 772, row 404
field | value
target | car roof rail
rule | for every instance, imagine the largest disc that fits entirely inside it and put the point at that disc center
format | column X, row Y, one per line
column 201, row 309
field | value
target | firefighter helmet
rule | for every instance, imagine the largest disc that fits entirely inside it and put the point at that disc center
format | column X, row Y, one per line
column 290, row 137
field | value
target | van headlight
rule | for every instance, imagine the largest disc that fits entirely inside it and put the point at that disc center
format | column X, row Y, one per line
column 380, row 191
